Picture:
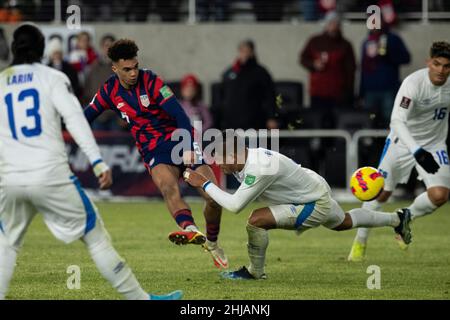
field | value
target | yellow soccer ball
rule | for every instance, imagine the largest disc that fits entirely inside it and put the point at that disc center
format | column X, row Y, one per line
column 366, row 183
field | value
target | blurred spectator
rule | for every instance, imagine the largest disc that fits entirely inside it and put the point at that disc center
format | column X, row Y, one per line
column 248, row 93
column 4, row 47
column 83, row 56
column 326, row 6
column 99, row 72
column 331, row 62
column 216, row 10
column 383, row 52
column 388, row 13
column 56, row 60
column 190, row 100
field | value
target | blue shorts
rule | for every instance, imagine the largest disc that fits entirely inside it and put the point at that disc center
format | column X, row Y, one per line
column 162, row 154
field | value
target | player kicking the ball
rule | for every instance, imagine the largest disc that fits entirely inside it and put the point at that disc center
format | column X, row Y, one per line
column 299, row 199
column 153, row 113
column 34, row 170
column 419, row 128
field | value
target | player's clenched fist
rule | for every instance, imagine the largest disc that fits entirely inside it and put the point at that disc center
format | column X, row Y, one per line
column 195, row 179
column 105, row 180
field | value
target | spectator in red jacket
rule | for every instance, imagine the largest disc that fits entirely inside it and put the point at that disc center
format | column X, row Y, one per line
column 331, row 62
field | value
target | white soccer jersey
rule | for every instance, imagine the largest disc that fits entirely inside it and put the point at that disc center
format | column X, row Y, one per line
column 289, row 183
column 420, row 114
column 33, row 100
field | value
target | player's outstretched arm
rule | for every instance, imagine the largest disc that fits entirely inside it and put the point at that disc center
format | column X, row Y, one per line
column 232, row 202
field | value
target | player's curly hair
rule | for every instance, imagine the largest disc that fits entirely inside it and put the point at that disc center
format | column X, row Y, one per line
column 440, row 49
column 123, row 49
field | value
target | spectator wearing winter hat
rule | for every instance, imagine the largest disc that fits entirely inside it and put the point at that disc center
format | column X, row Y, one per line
column 194, row 108
column 83, row 56
column 56, row 61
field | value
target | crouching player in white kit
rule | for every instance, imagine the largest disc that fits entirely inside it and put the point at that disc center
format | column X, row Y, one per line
column 34, row 170
column 419, row 128
column 299, row 199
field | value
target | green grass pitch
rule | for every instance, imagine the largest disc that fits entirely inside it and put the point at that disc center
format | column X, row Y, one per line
column 312, row 266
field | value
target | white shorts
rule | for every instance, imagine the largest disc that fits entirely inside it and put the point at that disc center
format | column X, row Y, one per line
column 66, row 209
column 397, row 162
column 325, row 211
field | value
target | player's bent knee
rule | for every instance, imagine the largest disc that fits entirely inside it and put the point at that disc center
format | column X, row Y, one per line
column 438, row 196
column 170, row 191
column 262, row 219
column 346, row 224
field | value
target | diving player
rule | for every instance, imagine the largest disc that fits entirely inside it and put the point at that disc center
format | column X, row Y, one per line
column 299, row 199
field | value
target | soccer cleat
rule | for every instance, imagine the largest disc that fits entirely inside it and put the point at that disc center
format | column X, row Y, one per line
column 174, row 295
column 402, row 245
column 403, row 229
column 184, row 237
column 217, row 254
column 358, row 252
column 241, row 274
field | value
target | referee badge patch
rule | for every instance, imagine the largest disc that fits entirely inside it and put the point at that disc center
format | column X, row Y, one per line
column 405, row 102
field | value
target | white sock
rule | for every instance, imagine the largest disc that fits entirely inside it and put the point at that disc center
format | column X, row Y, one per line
column 258, row 241
column 421, row 206
column 211, row 244
column 8, row 256
column 191, row 227
column 362, row 235
column 112, row 266
column 367, row 218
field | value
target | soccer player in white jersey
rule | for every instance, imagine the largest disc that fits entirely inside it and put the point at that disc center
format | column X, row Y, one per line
column 419, row 128
column 34, row 170
column 299, row 199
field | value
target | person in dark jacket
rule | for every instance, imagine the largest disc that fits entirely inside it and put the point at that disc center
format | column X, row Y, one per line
column 248, row 99
column 383, row 52
column 331, row 62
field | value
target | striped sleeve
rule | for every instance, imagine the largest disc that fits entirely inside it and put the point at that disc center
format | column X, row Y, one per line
column 99, row 103
column 166, row 99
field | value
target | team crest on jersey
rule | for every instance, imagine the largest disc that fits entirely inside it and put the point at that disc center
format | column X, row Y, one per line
column 145, row 100
column 405, row 102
